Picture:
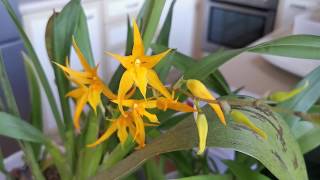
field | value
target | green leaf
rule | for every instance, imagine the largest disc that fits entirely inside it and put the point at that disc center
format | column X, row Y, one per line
column 117, row 154
column 306, row 99
column 163, row 67
column 7, row 90
column 244, row 173
column 302, row 103
column 208, row 177
column 40, row 72
column 82, row 38
column 280, row 153
column 152, row 22
column 172, row 121
column 183, row 161
column 184, row 63
column 35, row 99
column 16, row 128
column 153, row 170
column 34, row 90
column 210, row 64
column 164, row 36
column 5, row 128
column 217, row 82
column 59, row 31
column 297, row 46
column 90, row 158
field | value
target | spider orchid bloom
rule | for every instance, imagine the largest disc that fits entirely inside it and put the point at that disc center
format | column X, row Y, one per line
column 90, row 86
column 124, row 125
column 138, row 111
column 139, row 70
column 199, row 90
column 139, row 107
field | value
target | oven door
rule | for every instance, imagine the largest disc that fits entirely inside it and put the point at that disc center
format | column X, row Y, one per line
column 231, row 26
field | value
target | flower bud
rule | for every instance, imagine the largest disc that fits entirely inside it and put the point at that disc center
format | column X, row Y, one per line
column 240, row 117
column 199, row 90
column 202, row 126
column 281, row 96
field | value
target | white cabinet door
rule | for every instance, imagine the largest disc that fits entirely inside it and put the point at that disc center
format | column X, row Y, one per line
column 183, row 21
column 35, row 24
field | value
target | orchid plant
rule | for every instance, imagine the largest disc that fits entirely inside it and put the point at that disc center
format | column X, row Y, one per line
column 169, row 124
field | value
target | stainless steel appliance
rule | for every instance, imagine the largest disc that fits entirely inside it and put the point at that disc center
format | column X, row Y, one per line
column 236, row 23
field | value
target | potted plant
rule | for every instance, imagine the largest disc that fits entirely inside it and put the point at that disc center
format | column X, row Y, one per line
column 136, row 122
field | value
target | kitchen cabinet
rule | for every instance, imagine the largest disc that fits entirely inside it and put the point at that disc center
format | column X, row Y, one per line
column 35, row 17
column 288, row 9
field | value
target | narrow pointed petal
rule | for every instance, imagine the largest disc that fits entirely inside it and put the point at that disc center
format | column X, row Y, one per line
column 152, row 117
column 141, row 80
column 76, row 93
column 126, row 83
column 149, row 104
column 177, row 106
column 126, row 61
column 72, row 73
column 202, row 126
column 81, row 57
column 106, row 91
column 240, row 117
column 140, row 133
column 138, row 48
column 79, row 107
column 126, row 102
column 199, row 90
column 94, row 96
column 155, row 82
column 105, row 136
column 151, row 61
column 217, row 109
column 122, row 131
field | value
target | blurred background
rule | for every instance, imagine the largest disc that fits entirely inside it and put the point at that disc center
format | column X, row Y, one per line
column 199, row 27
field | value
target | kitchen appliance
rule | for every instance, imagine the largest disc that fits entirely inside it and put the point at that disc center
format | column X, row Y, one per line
column 236, row 23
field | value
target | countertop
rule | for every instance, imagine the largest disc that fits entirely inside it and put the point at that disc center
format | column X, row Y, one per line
column 256, row 74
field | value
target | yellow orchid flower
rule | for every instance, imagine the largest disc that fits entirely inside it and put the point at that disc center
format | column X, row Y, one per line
column 90, row 86
column 199, row 90
column 122, row 125
column 139, row 107
column 139, row 70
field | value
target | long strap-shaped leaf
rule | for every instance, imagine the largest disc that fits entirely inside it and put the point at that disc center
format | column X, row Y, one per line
column 308, row 135
column 38, row 67
column 13, row 109
column 280, row 153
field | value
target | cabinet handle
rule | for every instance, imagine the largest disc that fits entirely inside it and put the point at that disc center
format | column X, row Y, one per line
column 298, row 6
column 89, row 17
column 133, row 5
